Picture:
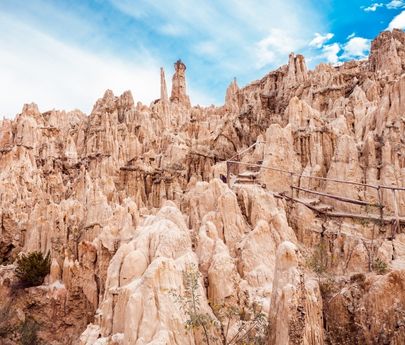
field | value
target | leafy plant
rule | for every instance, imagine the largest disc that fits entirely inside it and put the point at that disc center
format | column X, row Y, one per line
column 190, row 304
column 29, row 332
column 317, row 262
column 327, row 286
column 6, row 327
column 380, row 266
column 32, row 268
column 250, row 322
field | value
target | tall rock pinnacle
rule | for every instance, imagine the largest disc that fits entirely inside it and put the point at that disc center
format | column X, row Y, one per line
column 164, row 100
column 231, row 97
column 163, row 88
column 297, row 69
column 179, row 94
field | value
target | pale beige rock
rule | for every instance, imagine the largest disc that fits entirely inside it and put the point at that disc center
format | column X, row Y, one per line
column 296, row 304
column 125, row 198
column 231, row 97
column 374, row 304
column 279, row 154
column 179, row 90
column 55, row 273
column 384, row 57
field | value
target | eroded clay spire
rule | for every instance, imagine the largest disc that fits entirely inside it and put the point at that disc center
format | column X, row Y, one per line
column 179, row 94
column 163, row 88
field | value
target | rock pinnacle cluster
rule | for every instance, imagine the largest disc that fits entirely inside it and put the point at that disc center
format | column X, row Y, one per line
column 288, row 199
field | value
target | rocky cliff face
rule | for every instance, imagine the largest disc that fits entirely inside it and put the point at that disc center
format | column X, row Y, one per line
column 128, row 198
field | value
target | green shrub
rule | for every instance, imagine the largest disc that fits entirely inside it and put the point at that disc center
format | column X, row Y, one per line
column 249, row 321
column 29, row 332
column 380, row 266
column 32, row 268
column 6, row 327
column 327, row 286
column 190, row 304
column 317, row 262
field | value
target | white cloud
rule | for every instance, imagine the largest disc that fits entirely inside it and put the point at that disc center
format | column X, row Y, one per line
column 330, row 52
column 68, row 63
column 207, row 48
column 351, row 35
column 171, row 29
column 398, row 22
column 356, row 48
column 275, row 47
column 373, row 7
column 240, row 29
column 37, row 68
column 395, row 4
column 319, row 40
column 198, row 97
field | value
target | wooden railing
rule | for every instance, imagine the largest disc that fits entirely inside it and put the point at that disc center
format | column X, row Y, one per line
column 395, row 219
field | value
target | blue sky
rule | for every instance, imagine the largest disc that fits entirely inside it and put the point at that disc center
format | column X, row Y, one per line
column 64, row 54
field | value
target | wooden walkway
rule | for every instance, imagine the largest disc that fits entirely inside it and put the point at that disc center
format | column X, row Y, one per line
column 250, row 176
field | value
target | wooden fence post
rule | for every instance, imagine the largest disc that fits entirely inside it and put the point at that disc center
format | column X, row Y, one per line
column 292, row 184
column 228, row 174
column 397, row 225
column 379, row 193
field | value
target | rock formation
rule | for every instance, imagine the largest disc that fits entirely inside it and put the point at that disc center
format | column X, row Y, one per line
column 163, row 88
column 128, row 198
column 179, row 90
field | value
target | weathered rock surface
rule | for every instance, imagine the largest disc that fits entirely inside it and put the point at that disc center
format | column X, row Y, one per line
column 367, row 310
column 128, row 197
column 296, row 305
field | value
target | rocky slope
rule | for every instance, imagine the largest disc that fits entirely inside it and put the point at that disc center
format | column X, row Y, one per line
column 131, row 196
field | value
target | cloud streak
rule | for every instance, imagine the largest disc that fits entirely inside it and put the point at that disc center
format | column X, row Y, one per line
column 330, row 53
column 395, row 4
column 319, row 40
column 36, row 67
column 258, row 35
column 398, row 22
column 373, row 7
column 66, row 55
column 356, row 48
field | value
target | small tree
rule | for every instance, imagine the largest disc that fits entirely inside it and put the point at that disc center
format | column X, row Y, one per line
column 250, row 322
column 32, row 268
column 190, row 304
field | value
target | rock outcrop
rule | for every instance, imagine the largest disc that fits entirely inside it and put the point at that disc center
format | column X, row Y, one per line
column 179, row 89
column 301, row 241
column 296, row 305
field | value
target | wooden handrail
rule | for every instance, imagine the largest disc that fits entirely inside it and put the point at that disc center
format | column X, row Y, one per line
column 397, row 219
column 340, row 198
column 320, row 178
column 244, row 151
column 346, row 215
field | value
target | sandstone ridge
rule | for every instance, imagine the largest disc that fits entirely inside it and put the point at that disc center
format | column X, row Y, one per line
column 128, row 197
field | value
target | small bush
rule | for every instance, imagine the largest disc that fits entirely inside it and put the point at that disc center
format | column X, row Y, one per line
column 251, row 324
column 358, row 278
column 5, row 325
column 32, row 268
column 29, row 332
column 317, row 262
column 380, row 266
column 328, row 286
